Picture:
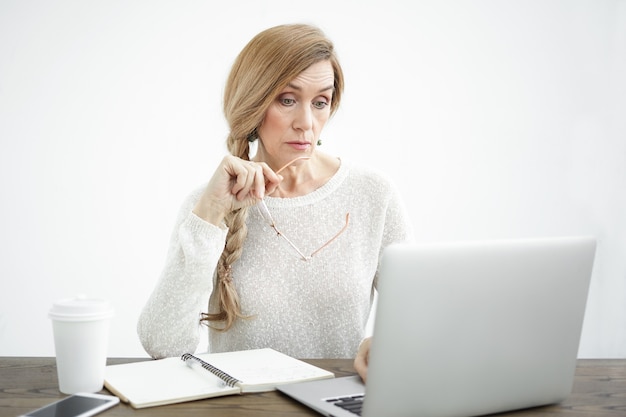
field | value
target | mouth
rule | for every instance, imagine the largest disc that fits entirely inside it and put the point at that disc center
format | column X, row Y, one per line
column 300, row 145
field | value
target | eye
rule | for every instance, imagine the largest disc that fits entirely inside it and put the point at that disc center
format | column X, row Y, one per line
column 287, row 101
column 320, row 104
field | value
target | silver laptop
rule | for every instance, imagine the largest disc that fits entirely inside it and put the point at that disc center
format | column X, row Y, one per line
column 469, row 328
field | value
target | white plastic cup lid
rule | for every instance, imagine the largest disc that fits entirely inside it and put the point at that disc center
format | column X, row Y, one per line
column 81, row 308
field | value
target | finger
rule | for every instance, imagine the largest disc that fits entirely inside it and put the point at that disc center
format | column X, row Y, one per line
column 225, row 178
column 271, row 179
column 239, row 176
column 271, row 187
column 259, row 182
column 361, row 367
column 253, row 187
column 361, row 360
column 244, row 183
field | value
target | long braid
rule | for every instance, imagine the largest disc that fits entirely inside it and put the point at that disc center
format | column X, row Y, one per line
column 226, row 293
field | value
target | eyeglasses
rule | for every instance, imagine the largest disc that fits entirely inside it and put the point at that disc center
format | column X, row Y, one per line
column 265, row 213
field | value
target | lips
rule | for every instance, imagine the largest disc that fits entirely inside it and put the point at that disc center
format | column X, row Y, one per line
column 299, row 145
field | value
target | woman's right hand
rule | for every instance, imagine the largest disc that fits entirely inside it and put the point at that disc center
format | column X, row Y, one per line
column 361, row 362
column 235, row 184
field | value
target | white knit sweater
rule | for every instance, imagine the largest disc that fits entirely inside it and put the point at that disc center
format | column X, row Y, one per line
column 307, row 309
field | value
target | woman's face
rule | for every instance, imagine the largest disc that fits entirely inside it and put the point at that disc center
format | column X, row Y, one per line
column 293, row 122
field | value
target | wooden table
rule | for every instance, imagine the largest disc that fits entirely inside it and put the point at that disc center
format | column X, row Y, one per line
column 29, row 383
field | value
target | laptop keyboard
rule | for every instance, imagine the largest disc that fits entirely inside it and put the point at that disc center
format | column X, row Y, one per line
column 352, row 403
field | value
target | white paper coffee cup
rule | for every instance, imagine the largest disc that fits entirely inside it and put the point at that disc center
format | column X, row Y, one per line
column 81, row 335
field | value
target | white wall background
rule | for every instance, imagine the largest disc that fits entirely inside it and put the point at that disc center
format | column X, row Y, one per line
column 498, row 119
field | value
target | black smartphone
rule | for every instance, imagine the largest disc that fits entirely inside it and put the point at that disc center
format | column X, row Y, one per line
column 76, row 405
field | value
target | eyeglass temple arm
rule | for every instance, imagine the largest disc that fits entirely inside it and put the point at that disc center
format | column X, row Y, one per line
column 266, row 214
column 343, row 229
column 291, row 162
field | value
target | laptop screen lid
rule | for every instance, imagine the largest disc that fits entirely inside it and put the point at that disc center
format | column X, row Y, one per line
column 472, row 328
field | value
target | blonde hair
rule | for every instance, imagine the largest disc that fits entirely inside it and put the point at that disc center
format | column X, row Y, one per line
column 264, row 67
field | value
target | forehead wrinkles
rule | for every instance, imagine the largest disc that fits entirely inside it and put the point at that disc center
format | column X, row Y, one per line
column 318, row 77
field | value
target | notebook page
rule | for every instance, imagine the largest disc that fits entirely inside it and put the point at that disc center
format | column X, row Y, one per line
column 264, row 369
column 163, row 381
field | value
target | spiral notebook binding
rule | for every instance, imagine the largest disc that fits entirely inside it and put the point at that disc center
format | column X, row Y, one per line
column 228, row 380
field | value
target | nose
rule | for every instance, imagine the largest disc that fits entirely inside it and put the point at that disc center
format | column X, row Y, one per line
column 303, row 119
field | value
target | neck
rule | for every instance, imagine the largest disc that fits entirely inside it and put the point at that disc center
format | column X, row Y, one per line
column 299, row 178
column 306, row 175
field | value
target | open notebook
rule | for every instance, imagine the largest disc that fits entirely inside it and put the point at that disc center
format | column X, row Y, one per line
column 468, row 328
column 194, row 377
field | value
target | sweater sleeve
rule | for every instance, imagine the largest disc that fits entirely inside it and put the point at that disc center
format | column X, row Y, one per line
column 169, row 322
column 398, row 227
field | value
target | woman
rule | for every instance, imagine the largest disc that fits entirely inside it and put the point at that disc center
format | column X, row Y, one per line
column 284, row 247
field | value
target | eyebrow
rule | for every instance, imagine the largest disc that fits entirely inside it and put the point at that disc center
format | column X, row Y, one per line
column 298, row 88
